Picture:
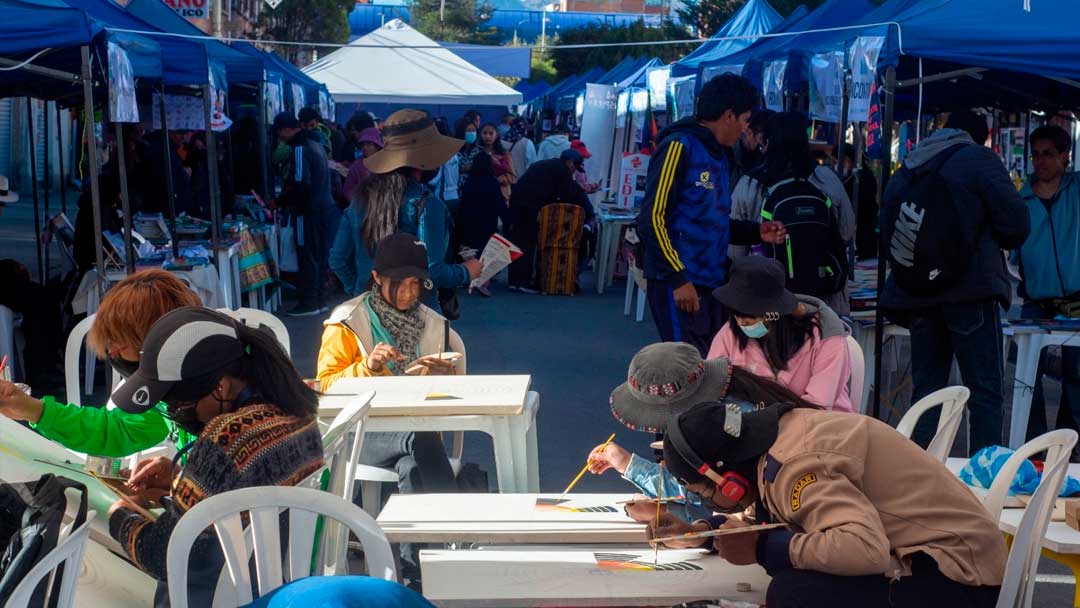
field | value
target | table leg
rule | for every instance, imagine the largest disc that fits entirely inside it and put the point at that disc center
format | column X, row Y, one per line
column 1028, row 348
column 612, row 254
column 532, row 456
column 601, row 256
column 502, row 440
column 234, row 268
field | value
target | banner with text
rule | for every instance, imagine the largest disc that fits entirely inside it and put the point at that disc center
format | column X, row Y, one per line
column 827, row 86
column 190, row 9
column 598, row 127
column 774, row 84
column 635, row 168
column 123, row 106
column 863, row 59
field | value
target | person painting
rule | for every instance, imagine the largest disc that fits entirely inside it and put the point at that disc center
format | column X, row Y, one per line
column 871, row 518
column 236, row 390
column 377, row 334
column 795, row 340
column 127, row 313
column 396, row 199
column 642, row 404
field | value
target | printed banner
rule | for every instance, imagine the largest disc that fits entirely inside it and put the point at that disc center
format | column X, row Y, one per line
column 123, row 107
column 712, row 71
column 186, row 113
column 863, row 59
column 635, row 168
column 326, row 106
column 873, row 125
column 598, row 126
column 681, row 91
column 190, row 9
column 774, row 84
column 299, row 99
column 827, row 86
column 274, row 99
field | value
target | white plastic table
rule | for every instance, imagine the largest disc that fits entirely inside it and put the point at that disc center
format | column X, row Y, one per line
column 1029, row 345
column 503, row 407
column 508, row 519
column 607, row 247
column 584, row 576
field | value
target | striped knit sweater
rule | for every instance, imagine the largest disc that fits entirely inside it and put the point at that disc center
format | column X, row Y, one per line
column 257, row 445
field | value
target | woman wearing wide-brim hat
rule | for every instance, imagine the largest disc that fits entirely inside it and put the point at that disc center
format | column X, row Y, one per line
column 396, row 199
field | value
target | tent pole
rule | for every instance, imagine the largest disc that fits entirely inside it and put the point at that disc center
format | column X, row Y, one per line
column 918, row 113
column 125, row 199
column 60, row 161
column 169, row 192
column 212, row 166
column 264, row 167
column 48, row 177
column 842, row 136
column 34, row 190
column 886, row 165
column 91, row 145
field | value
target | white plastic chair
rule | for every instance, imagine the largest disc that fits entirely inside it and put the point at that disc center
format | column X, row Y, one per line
column 371, row 478
column 858, row 375
column 264, row 504
column 69, row 553
column 1018, row 584
column 253, row 317
column 953, row 400
column 7, row 334
column 635, row 281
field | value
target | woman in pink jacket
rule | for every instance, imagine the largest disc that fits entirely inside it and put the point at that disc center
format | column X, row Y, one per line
column 795, row 340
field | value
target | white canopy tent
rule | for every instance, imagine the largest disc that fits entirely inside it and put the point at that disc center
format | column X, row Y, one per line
column 396, row 64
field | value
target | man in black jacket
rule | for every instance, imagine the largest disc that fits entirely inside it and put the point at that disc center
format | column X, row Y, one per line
column 964, row 318
column 307, row 196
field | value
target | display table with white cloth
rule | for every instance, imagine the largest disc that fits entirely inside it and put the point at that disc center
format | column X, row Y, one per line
column 203, row 280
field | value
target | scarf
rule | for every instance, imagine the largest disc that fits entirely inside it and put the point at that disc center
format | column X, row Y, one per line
column 400, row 329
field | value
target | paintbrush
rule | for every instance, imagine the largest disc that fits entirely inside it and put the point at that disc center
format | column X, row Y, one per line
column 714, row 533
column 585, row 468
column 660, row 499
column 3, row 364
column 128, row 503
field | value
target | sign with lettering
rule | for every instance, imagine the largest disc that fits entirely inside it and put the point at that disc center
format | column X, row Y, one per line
column 190, row 9
column 826, row 86
column 864, row 58
column 775, row 72
column 635, row 168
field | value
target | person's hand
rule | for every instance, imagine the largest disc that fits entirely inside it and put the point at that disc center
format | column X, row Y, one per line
column 436, row 366
column 382, row 354
column 153, row 473
column 738, row 549
column 17, row 405
column 772, row 232
column 643, row 509
column 149, row 498
column 686, row 298
column 611, row 457
column 122, row 503
column 672, row 525
column 474, row 266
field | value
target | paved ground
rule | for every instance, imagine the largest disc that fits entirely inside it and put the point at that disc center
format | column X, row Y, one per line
column 576, row 348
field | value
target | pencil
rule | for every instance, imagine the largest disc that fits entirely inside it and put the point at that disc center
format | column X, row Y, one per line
column 3, row 363
column 720, row 532
column 660, row 499
column 585, row 468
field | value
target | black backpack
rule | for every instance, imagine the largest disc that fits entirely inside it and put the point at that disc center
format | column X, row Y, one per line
column 929, row 247
column 31, row 515
column 814, row 255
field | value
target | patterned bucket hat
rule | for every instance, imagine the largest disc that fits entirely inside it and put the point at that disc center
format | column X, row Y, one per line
column 664, row 380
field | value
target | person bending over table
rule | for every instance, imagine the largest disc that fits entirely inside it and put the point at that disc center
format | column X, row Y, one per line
column 377, row 334
column 236, row 390
column 665, row 379
column 127, row 312
column 871, row 518
column 796, row 340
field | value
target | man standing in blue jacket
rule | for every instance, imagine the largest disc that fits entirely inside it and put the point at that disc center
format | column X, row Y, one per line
column 1050, row 264
column 685, row 223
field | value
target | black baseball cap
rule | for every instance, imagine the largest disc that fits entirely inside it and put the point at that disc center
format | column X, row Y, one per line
column 400, row 256
column 285, row 120
column 309, row 113
column 574, row 156
column 719, row 435
column 186, row 344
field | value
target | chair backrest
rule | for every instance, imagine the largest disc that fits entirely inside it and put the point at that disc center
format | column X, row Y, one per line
column 264, row 505
column 1018, row 584
column 72, row 360
column 69, row 553
column 858, row 375
column 342, row 442
column 952, row 400
column 458, row 346
column 253, row 317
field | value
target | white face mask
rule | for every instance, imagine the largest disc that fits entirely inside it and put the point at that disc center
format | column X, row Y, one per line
column 757, row 330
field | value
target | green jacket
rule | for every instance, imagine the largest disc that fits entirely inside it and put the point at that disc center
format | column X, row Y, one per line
column 106, row 432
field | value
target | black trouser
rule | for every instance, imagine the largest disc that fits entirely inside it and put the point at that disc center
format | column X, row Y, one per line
column 313, row 240
column 927, row 587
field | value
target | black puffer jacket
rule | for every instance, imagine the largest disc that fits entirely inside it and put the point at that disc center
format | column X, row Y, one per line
column 987, row 198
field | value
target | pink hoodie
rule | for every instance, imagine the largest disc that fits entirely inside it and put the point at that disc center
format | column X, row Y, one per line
column 819, row 372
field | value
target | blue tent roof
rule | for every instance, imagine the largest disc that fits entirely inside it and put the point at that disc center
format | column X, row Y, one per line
column 239, row 66
column 792, row 23
column 571, row 86
column 756, row 17
column 182, row 62
column 31, row 25
column 527, row 23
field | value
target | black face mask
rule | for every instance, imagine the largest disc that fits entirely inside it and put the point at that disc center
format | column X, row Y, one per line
column 428, row 175
column 123, row 367
column 186, row 417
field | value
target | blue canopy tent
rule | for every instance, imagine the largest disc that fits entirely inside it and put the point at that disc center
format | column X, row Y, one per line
column 507, row 61
column 755, row 18
column 570, row 87
column 739, row 61
column 636, row 78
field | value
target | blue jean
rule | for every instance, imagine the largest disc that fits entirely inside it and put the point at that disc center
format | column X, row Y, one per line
column 1068, row 415
column 972, row 333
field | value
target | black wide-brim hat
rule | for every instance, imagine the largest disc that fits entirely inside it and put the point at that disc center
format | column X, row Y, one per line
column 756, row 286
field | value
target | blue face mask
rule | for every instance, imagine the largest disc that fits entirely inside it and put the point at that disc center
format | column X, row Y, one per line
column 470, row 137
column 756, row 331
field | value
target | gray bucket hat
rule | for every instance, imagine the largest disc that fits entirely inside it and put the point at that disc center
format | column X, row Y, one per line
column 664, row 380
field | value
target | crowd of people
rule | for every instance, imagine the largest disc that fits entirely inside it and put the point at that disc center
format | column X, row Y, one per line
column 744, row 245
